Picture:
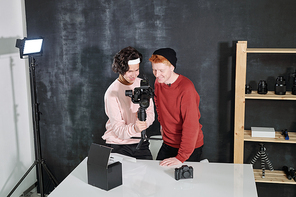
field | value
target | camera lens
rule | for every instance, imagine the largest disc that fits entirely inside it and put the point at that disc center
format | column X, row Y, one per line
column 248, row 89
column 186, row 174
column 144, row 103
column 262, row 87
column 280, row 86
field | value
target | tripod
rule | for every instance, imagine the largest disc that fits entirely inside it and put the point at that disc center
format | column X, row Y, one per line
column 39, row 162
column 261, row 153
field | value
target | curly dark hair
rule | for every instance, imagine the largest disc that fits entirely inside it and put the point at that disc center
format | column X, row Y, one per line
column 120, row 62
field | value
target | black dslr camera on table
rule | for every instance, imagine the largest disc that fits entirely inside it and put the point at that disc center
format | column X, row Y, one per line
column 184, row 172
column 142, row 97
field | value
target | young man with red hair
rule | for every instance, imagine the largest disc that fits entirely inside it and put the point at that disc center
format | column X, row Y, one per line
column 177, row 106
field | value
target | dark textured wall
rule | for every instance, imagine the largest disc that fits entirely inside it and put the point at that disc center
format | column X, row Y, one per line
column 81, row 38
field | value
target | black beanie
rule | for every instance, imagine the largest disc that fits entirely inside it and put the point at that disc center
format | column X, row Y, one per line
column 168, row 53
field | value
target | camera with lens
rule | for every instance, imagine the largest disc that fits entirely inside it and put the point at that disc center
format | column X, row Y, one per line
column 141, row 94
column 290, row 172
column 142, row 97
column 184, row 172
column 280, row 86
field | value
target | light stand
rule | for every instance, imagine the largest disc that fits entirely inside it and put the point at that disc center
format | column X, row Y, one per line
column 39, row 162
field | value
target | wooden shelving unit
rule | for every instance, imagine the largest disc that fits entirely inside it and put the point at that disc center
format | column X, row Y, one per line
column 272, row 177
column 279, row 138
column 270, row 96
column 240, row 134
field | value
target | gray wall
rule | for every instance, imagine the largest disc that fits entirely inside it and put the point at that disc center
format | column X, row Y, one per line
column 16, row 141
column 81, row 38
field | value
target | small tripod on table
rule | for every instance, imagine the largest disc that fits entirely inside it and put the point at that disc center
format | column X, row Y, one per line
column 261, row 153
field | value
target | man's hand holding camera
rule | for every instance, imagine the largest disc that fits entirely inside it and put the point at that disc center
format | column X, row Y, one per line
column 140, row 126
column 170, row 162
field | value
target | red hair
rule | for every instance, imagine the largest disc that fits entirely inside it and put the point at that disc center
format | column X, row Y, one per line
column 159, row 59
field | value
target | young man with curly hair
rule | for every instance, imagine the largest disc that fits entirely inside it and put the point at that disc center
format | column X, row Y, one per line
column 123, row 123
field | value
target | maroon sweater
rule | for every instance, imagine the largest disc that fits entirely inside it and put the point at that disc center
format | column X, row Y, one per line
column 177, row 107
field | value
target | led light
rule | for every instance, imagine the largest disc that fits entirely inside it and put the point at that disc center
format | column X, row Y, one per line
column 30, row 47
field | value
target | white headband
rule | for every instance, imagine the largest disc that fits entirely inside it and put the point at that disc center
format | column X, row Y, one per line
column 135, row 61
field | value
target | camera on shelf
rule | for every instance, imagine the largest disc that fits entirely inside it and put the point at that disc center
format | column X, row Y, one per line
column 184, row 172
column 280, row 86
column 248, row 89
column 290, row 172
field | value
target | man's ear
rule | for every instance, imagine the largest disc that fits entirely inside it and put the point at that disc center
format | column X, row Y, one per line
column 172, row 67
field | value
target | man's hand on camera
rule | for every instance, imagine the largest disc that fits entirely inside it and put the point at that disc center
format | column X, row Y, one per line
column 170, row 162
column 140, row 126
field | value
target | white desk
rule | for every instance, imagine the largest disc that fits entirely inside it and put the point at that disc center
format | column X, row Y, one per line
column 147, row 178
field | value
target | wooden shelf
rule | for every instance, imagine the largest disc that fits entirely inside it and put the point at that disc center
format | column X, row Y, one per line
column 276, row 176
column 270, row 96
column 279, row 138
column 270, row 50
column 240, row 134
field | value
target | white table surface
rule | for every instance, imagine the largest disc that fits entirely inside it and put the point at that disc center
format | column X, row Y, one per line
column 147, row 178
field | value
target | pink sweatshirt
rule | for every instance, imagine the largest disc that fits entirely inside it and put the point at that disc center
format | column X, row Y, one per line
column 122, row 114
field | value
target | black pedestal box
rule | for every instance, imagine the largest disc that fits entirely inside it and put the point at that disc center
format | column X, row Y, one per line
column 99, row 173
